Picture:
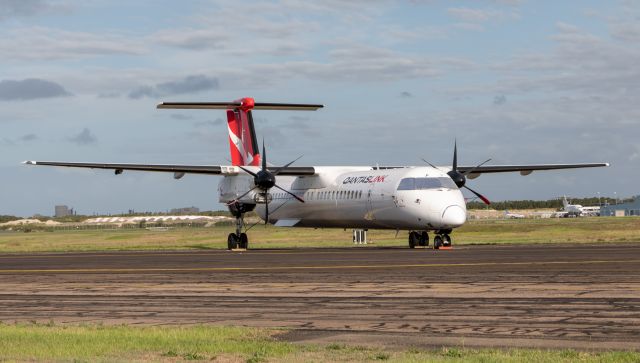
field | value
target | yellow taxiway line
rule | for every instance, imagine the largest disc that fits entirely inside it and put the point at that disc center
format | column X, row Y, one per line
column 223, row 252
column 333, row 267
column 216, row 252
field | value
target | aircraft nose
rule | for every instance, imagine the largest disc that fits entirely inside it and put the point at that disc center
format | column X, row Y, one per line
column 454, row 216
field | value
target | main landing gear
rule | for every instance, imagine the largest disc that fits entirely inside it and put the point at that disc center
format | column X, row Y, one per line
column 442, row 239
column 239, row 239
column 418, row 239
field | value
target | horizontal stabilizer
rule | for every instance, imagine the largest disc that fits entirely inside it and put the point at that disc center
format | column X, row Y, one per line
column 234, row 105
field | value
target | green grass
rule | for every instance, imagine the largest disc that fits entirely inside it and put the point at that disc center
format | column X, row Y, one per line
column 564, row 230
column 119, row 343
column 96, row 343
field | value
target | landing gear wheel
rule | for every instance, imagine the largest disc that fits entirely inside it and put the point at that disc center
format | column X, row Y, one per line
column 437, row 242
column 414, row 239
column 232, row 241
column 244, row 241
column 424, row 239
column 447, row 241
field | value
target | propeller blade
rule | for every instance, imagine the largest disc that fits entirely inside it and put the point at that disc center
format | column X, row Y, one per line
column 266, row 217
column 264, row 156
column 482, row 197
column 431, row 165
column 291, row 194
column 242, row 196
column 455, row 155
column 248, row 171
column 475, row 167
column 278, row 170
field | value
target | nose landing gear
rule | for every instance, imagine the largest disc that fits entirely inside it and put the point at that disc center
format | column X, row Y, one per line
column 442, row 240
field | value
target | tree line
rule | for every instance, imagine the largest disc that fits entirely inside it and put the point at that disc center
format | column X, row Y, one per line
column 544, row 204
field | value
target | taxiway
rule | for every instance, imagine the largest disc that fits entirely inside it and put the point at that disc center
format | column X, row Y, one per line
column 553, row 296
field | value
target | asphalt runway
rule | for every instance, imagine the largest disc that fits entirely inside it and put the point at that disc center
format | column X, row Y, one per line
column 549, row 296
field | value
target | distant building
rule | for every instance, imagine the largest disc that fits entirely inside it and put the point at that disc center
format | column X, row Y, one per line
column 63, row 211
column 186, row 210
column 622, row 210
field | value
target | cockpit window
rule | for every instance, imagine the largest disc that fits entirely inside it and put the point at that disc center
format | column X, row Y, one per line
column 426, row 183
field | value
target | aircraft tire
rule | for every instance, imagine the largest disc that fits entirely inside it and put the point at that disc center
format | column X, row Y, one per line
column 437, row 242
column 446, row 240
column 424, row 239
column 244, row 241
column 414, row 239
column 232, row 241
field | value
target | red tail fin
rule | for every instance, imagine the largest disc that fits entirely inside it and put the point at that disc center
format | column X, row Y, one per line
column 242, row 134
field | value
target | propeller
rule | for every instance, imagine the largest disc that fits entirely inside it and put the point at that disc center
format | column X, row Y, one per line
column 264, row 180
column 460, row 179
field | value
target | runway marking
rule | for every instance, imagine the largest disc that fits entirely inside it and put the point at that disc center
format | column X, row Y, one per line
column 334, row 267
column 217, row 252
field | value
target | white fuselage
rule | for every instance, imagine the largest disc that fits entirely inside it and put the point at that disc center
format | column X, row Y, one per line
column 571, row 209
column 412, row 198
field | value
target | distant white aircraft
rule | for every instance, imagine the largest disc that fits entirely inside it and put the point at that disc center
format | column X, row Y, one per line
column 509, row 215
column 419, row 199
column 571, row 210
column 576, row 210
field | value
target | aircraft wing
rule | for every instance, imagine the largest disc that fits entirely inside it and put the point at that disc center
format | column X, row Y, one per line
column 178, row 170
column 523, row 169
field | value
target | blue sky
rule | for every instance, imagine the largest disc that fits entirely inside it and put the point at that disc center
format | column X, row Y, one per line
column 515, row 80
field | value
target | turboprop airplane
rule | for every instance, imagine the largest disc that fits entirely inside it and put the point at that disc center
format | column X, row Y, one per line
column 418, row 199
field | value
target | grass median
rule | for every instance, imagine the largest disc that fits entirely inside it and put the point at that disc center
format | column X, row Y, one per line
column 98, row 343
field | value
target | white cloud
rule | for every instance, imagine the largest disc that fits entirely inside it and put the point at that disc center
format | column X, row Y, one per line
column 626, row 31
column 38, row 43
column 85, row 137
column 472, row 15
column 195, row 39
column 23, row 8
column 188, row 84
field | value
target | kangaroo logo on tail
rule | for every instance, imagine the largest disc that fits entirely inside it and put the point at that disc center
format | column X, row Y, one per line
column 243, row 144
